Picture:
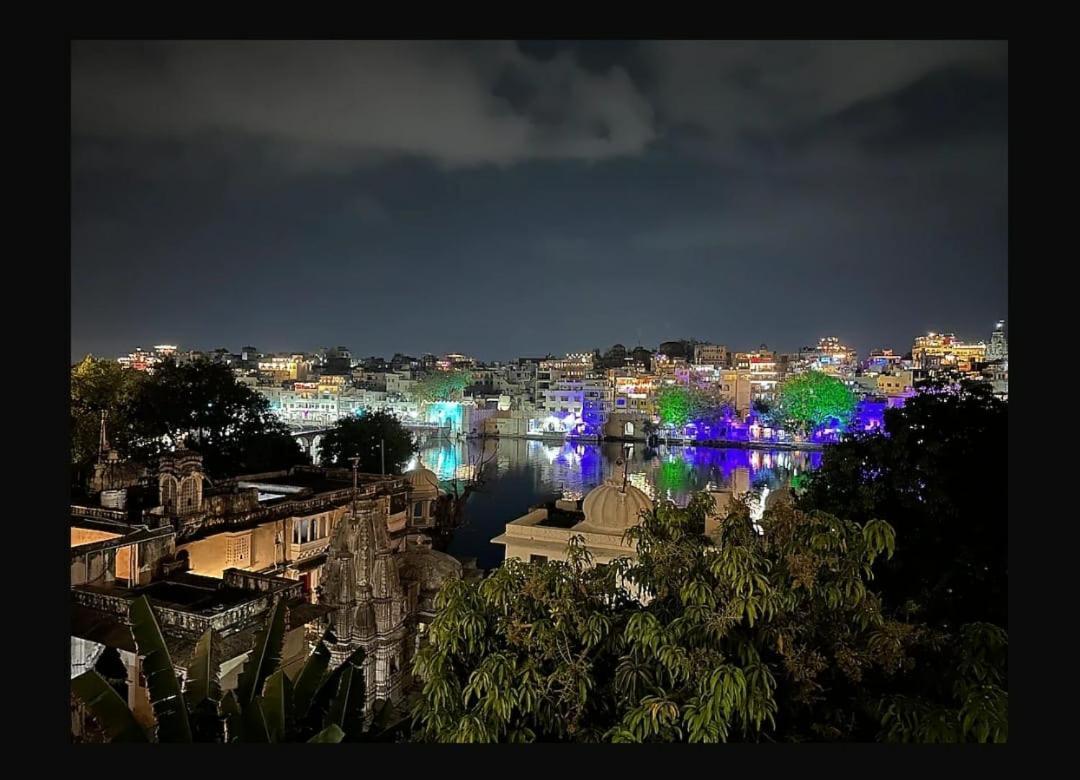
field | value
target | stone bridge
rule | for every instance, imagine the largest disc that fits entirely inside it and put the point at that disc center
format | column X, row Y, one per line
column 311, row 438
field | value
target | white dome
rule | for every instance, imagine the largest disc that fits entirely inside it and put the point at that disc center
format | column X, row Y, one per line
column 422, row 481
column 611, row 509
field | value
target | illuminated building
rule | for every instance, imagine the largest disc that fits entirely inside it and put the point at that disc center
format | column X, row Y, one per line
column 712, row 355
column 881, row 360
column 454, row 361
column 604, row 515
column 829, row 357
column 999, row 345
column 574, row 366
column 115, row 560
column 896, row 384
column 764, row 376
column 285, row 368
column 633, row 393
column 382, row 599
column 142, row 360
column 401, row 383
column 585, row 401
column 934, row 351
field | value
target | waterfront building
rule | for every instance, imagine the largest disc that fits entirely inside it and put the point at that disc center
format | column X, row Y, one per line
column 634, row 393
column 764, row 374
column 576, row 365
column 602, row 518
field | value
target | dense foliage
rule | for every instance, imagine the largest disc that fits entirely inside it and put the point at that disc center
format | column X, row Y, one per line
column 100, row 386
column 365, row 437
column 442, row 386
column 812, row 400
column 679, row 405
column 938, row 474
column 931, row 475
column 742, row 637
column 198, row 405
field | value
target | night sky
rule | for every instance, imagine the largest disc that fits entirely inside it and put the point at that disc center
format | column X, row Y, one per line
column 503, row 199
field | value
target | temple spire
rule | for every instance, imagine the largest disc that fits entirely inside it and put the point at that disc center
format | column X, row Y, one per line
column 355, row 489
column 103, row 441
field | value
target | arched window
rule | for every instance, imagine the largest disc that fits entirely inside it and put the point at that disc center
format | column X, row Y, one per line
column 188, row 497
column 168, row 492
column 628, row 429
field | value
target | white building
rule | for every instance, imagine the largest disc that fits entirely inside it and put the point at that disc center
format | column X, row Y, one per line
column 606, row 513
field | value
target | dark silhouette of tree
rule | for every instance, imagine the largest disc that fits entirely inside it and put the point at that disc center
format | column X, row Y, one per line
column 100, row 386
column 201, row 406
column 938, row 474
column 361, row 437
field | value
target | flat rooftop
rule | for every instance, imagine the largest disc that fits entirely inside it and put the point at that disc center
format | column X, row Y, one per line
column 561, row 518
column 184, row 593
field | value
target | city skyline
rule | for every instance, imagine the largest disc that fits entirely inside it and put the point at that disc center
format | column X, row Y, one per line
column 809, row 344
column 567, row 194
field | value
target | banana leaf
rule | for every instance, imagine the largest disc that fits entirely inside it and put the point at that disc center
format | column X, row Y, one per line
column 277, row 705
column 309, row 679
column 110, row 711
column 265, row 657
column 256, row 728
column 202, row 680
column 319, row 714
column 347, row 707
column 165, row 695
column 234, row 717
column 331, row 733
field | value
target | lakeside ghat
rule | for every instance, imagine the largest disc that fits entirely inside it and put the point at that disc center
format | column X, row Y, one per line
column 519, row 473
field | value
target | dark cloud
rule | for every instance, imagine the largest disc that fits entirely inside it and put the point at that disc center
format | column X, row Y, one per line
column 514, row 199
column 331, row 104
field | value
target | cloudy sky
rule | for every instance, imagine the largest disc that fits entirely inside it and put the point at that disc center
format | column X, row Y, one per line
column 504, row 199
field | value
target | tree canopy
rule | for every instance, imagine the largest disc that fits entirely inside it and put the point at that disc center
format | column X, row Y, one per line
column 199, row 405
column 937, row 473
column 930, row 474
column 100, row 386
column 813, row 399
column 442, row 385
column 679, row 405
column 741, row 637
column 361, row 437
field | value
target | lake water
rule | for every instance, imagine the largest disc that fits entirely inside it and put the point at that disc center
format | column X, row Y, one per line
column 519, row 473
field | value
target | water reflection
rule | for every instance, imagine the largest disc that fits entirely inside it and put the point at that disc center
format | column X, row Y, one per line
column 519, row 473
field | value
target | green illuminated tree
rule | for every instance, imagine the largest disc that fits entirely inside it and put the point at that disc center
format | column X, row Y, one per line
column 442, row 386
column 675, row 405
column 812, row 399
